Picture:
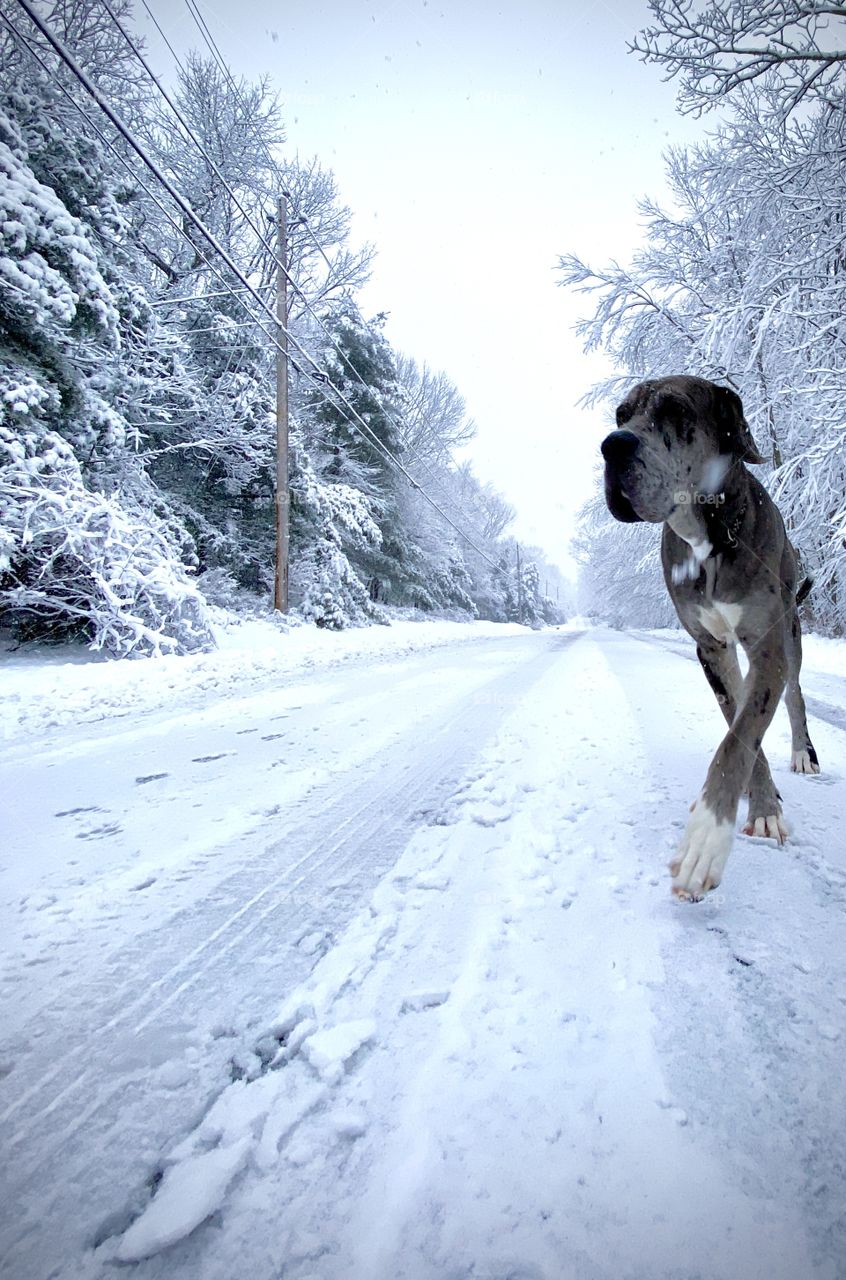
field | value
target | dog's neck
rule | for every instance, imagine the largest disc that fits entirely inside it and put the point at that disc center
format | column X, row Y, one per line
column 709, row 523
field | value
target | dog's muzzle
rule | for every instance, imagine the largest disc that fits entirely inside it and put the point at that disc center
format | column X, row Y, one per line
column 619, row 450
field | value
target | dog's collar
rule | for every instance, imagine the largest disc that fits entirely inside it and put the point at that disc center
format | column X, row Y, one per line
column 723, row 532
column 730, row 531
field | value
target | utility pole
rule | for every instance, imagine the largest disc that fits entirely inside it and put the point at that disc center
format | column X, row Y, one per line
column 519, row 587
column 283, row 499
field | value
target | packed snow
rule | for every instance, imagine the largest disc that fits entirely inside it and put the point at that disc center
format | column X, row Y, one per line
column 354, row 956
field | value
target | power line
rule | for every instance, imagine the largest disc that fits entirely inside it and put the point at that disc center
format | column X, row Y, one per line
column 211, row 44
column 155, row 22
column 196, row 141
column 214, row 49
column 199, row 297
column 228, row 291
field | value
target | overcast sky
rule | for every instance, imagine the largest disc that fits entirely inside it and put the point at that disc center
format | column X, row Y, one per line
column 474, row 144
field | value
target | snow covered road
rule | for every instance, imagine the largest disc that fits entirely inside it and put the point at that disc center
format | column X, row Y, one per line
column 376, row 974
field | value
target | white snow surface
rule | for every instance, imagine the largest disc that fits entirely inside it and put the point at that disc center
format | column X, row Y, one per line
column 366, row 966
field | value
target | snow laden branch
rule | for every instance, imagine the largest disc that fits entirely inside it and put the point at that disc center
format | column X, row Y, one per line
column 85, row 562
column 717, row 49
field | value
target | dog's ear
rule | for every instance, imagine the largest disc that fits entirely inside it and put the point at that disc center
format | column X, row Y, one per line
column 735, row 436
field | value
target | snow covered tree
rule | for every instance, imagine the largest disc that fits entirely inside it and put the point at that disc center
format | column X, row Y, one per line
column 359, row 427
column 328, row 522
column 214, row 452
column 137, row 398
column 72, row 323
column 435, row 414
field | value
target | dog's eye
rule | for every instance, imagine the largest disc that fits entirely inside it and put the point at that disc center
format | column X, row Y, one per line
column 667, row 409
column 624, row 412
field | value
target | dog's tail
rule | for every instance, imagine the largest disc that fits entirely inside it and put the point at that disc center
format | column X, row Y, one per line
column 804, row 590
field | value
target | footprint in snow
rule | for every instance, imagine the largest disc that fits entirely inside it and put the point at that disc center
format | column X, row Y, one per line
column 314, row 943
column 221, row 755
column 100, row 833
column 30, row 903
column 418, row 1001
column 489, row 816
column 332, row 1052
column 349, row 1124
column 678, row 1114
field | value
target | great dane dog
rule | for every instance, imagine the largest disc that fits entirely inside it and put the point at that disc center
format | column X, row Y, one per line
column 677, row 458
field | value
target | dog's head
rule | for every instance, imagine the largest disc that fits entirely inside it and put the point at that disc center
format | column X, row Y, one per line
column 676, row 440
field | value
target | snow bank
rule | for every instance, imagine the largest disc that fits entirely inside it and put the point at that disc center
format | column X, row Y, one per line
column 822, row 653
column 189, row 1193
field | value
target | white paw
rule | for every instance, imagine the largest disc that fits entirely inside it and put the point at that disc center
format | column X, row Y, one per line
column 801, row 762
column 769, row 828
column 703, row 853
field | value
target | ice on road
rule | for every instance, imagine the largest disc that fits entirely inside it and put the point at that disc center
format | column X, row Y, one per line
column 376, row 974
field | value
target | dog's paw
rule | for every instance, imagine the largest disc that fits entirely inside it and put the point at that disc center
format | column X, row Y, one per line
column 804, row 762
column 772, row 827
column 698, row 866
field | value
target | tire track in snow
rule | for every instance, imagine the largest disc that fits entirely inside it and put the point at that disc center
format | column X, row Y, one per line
column 50, row 1124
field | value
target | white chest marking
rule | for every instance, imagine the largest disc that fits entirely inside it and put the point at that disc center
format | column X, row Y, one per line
column 722, row 620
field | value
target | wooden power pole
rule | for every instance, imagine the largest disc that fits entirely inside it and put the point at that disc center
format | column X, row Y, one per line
column 519, row 587
column 283, row 500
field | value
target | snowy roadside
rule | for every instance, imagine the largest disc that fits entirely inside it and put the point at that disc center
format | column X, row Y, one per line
column 43, row 689
column 820, row 654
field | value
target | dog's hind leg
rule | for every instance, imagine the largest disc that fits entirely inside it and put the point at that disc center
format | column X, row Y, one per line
column 803, row 756
column 722, row 671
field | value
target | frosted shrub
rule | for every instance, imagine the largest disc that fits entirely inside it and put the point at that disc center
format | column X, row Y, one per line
column 76, row 561
column 327, row 590
column 329, row 522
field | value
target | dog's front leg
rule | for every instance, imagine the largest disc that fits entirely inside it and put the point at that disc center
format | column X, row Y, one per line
column 698, row 866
